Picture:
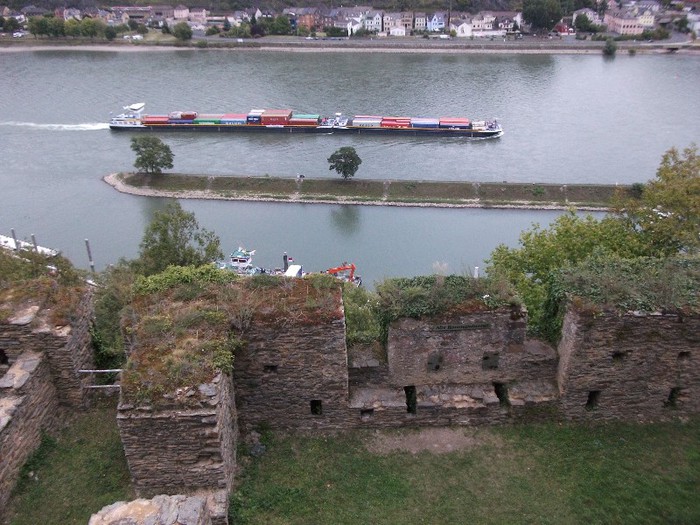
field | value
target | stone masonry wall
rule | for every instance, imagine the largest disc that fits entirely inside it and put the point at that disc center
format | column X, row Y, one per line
column 629, row 367
column 293, row 376
column 178, row 450
column 69, row 347
column 28, row 406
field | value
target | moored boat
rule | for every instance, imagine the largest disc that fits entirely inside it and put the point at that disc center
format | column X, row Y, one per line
column 288, row 121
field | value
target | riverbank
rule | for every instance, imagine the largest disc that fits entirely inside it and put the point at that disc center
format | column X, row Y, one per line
column 530, row 46
column 535, row 196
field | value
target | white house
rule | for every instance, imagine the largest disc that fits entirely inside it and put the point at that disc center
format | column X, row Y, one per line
column 436, row 22
column 462, row 27
column 373, row 21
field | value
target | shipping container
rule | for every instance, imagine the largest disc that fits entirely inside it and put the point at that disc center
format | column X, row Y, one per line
column 366, row 123
column 305, row 116
column 155, row 119
column 368, row 117
column 389, row 123
column 303, row 122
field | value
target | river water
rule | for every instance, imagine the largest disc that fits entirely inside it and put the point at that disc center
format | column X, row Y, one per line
column 567, row 119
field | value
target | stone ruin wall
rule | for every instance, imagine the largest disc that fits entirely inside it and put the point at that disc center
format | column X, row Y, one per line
column 292, row 376
column 28, row 407
column 465, row 370
column 38, row 380
column 631, row 367
column 177, row 450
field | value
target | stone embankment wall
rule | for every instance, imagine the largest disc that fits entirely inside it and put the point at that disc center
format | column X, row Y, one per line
column 635, row 367
column 176, row 449
column 39, row 378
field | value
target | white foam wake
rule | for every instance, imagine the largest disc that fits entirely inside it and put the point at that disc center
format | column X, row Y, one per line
column 89, row 126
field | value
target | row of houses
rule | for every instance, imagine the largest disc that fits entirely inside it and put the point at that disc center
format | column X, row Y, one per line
column 632, row 19
column 309, row 18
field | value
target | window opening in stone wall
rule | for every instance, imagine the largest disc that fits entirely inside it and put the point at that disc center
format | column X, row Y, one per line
column 411, row 399
column 501, row 390
column 673, row 396
column 316, row 407
column 683, row 356
column 434, row 362
column 619, row 357
column 3, row 358
column 366, row 414
column 270, row 369
column 593, row 399
column 489, row 361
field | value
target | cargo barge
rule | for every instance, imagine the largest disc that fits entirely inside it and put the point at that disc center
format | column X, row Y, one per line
column 288, row 121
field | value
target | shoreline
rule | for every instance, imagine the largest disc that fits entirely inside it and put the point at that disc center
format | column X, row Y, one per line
column 115, row 180
column 381, row 46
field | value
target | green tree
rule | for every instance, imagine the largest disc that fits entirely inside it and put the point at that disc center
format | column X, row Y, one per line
column 152, row 155
column 345, row 161
column 91, row 28
column 542, row 15
column 182, row 31
column 56, row 27
column 110, row 33
column 227, row 25
column 38, row 25
column 174, row 238
column 11, row 25
column 280, row 26
column 610, row 47
column 72, row 28
column 667, row 214
column 568, row 241
column 582, row 24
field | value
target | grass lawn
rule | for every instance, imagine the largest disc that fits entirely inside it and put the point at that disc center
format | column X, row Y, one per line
column 530, row 474
column 75, row 474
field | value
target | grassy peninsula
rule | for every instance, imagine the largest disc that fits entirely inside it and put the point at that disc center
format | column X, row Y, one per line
column 370, row 192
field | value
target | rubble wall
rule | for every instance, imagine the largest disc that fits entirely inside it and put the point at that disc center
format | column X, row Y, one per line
column 635, row 367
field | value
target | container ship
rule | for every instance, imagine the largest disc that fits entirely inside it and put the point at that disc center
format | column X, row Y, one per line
column 288, row 121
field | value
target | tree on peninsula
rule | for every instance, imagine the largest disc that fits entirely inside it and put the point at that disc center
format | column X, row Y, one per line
column 345, row 161
column 152, row 155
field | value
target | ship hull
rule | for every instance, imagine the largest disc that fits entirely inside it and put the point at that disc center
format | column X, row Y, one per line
column 441, row 132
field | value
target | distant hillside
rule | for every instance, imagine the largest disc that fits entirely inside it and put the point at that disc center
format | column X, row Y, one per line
column 473, row 6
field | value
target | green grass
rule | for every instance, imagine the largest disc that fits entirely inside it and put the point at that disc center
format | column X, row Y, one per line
column 79, row 472
column 552, row 473
column 373, row 190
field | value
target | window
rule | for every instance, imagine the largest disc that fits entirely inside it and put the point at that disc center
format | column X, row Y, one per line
column 593, row 398
column 673, row 396
column 619, row 357
column 489, row 361
column 502, row 393
column 366, row 414
column 3, row 358
column 434, row 362
column 411, row 399
column 316, row 407
column 270, row 369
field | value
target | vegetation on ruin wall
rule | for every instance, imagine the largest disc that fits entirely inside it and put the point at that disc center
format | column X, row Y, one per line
column 546, row 474
column 660, row 220
column 51, row 283
column 185, row 324
column 368, row 315
column 625, row 285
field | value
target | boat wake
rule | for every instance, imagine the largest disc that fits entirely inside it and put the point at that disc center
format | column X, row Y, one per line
column 89, row 126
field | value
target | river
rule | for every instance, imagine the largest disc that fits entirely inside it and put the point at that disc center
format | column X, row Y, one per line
column 567, row 119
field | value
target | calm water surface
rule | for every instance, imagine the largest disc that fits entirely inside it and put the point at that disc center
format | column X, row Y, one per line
column 569, row 119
